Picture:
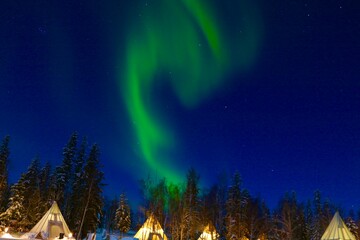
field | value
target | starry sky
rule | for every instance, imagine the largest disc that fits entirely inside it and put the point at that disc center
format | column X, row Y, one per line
column 268, row 88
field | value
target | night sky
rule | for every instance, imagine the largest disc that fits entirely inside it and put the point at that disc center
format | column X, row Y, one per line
column 268, row 88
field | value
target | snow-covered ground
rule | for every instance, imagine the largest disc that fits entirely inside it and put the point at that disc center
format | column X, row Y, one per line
column 116, row 236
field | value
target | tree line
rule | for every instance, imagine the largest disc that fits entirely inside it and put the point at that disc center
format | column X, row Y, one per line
column 183, row 210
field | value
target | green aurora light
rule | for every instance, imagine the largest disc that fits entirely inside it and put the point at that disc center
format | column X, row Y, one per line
column 184, row 41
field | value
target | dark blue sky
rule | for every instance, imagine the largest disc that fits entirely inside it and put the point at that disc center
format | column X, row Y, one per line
column 291, row 122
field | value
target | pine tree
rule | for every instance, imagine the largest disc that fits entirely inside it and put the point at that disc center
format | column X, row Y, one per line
column 309, row 219
column 233, row 210
column 25, row 201
column 122, row 217
column 65, row 174
column 175, row 210
column 15, row 212
column 191, row 212
column 210, row 207
column 287, row 218
column 4, row 158
column 266, row 222
column 254, row 219
column 91, row 197
column 157, row 201
column 61, row 186
column 44, row 186
column 74, row 219
column 32, row 198
column 351, row 224
column 317, row 222
column 221, row 199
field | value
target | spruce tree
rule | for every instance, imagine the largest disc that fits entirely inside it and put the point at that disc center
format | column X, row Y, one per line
column 91, row 197
column 309, row 219
column 65, row 174
column 44, row 186
column 317, row 222
column 353, row 228
column 32, row 196
column 122, row 217
column 25, row 201
column 61, row 185
column 175, row 210
column 254, row 220
column 287, row 215
column 221, row 199
column 157, row 201
column 233, row 210
column 15, row 212
column 191, row 205
column 74, row 218
column 210, row 207
column 4, row 188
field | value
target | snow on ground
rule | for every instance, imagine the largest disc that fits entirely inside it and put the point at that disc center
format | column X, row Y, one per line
column 125, row 237
column 116, row 236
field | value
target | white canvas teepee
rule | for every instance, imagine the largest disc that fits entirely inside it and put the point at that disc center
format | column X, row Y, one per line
column 337, row 230
column 151, row 230
column 209, row 233
column 52, row 225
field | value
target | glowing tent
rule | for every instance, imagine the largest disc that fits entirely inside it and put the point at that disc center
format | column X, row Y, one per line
column 209, row 233
column 151, row 230
column 52, row 225
column 5, row 235
column 337, row 230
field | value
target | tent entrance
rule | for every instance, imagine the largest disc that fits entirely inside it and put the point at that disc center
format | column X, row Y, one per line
column 55, row 228
column 155, row 236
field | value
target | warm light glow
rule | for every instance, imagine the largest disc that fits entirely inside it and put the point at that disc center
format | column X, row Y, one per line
column 6, row 234
column 70, row 235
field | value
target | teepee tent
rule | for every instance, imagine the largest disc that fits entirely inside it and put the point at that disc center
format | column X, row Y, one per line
column 209, row 233
column 151, row 230
column 337, row 230
column 51, row 225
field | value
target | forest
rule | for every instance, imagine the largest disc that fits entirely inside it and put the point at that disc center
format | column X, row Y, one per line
column 183, row 210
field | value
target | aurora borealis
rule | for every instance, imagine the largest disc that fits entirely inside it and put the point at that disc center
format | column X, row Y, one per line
column 183, row 41
column 268, row 88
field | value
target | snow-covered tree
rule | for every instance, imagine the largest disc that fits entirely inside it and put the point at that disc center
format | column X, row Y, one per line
column 4, row 158
column 191, row 206
column 32, row 197
column 352, row 226
column 317, row 228
column 15, row 212
column 44, row 186
column 74, row 219
column 62, row 178
column 26, row 205
column 122, row 217
column 65, row 175
column 233, row 210
column 290, row 218
column 175, row 210
column 309, row 219
column 210, row 207
column 91, row 193
column 254, row 218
